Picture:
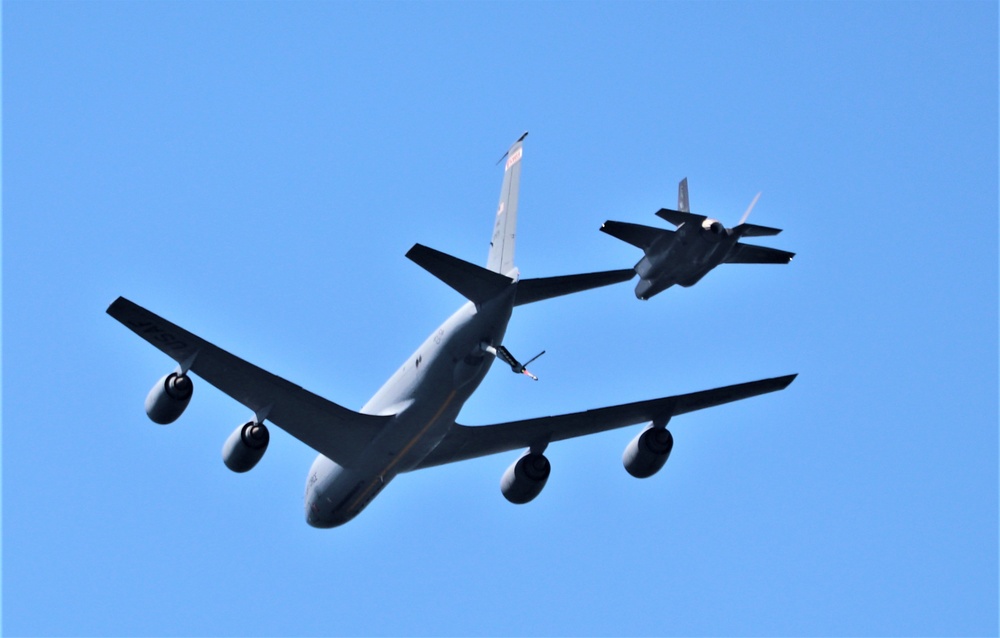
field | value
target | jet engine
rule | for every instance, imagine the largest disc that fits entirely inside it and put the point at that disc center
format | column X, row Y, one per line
column 525, row 478
column 714, row 226
column 168, row 398
column 245, row 446
column 647, row 452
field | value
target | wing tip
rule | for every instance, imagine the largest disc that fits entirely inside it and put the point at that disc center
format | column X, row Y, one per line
column 117, row 305
column 783, row 382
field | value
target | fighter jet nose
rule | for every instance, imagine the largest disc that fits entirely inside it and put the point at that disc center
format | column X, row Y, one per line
column 642, row 289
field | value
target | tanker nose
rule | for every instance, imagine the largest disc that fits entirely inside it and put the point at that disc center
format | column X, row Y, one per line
column 320, row 519
column 316, row 518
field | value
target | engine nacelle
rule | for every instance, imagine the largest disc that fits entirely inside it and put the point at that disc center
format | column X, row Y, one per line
column 525, row 478
column 245, row 446
column 647, row 452
column 168, row 398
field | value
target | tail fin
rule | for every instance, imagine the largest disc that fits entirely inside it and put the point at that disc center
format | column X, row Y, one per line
column 501, row 259
column 683, row 204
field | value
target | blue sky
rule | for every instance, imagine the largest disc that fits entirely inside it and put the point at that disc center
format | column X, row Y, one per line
column 255, row 172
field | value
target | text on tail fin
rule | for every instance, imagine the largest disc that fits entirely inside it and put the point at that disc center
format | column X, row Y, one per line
column 501, row 258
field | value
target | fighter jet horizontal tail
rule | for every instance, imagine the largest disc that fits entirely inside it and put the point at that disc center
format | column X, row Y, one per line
column 636, row 234
column 475, row 283
column 677, row 217
column 539, row 289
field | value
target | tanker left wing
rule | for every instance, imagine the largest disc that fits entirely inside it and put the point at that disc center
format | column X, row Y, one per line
column 470, row 442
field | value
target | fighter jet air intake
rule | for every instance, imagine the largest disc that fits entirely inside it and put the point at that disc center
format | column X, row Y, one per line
column 411, row 422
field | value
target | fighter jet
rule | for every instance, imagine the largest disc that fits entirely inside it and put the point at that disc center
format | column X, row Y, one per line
column 410, row 423
column 699, row 244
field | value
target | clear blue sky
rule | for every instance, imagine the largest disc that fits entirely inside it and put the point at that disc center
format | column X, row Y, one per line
column 256, row 171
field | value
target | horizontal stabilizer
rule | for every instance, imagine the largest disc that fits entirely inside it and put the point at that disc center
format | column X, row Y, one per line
column 753, row 230
column 747, row 254
column 532, row 290
column 636, row 234
column 677, row 217
column 475, row 283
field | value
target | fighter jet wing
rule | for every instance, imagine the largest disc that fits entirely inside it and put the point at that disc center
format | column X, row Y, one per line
column 332, row 430
column 465, row 442
column 748, row 254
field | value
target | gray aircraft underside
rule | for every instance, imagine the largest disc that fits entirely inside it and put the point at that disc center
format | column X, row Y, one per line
column 699, row 244
column 410, row 423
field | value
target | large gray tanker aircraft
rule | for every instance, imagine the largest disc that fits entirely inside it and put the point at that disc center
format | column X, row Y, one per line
column 699, row 244
column 410, row 422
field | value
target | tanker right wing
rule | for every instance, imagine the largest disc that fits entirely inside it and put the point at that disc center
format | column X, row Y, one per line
column 470, row 442
column 336, row 432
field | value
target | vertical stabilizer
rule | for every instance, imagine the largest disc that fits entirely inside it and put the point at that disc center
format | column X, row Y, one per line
column 683, row 204
column 501, row 259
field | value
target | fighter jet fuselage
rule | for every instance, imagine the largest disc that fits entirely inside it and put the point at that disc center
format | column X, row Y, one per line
column 683, row 258
column 698, row 244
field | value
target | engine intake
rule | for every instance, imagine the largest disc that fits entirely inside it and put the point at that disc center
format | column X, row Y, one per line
column 648, row 451
column 245, row 446
column 525, row 478
column 168, row 399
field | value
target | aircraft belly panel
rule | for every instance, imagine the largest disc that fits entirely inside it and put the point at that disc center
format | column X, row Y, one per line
column 336, row 495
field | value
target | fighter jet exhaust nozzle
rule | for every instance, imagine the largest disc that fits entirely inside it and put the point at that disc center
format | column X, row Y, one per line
column 715, row 227
column 168, row 399
column 647, row 452
column 245, row 446
column 525, row 478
